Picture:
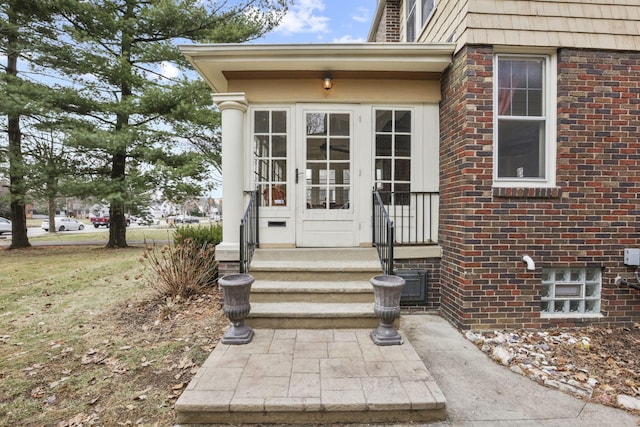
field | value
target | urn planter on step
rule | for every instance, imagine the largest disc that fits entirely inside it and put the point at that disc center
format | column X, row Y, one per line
column 236, row 289
column 387, row 290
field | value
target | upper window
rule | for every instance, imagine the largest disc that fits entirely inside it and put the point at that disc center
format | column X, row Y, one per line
column 523, row 146
column 417, row 13
column 270, row 156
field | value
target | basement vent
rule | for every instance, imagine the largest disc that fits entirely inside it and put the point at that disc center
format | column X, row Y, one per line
column 415, row 289
column 276, row 223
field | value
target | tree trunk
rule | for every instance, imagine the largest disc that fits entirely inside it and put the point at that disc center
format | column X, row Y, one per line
column 118, row 225
column 17, row 188
column 52, row 215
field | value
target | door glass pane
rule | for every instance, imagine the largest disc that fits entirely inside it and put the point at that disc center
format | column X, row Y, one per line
column 328, row 160
column 339, row 149
column 316, row 124
column 384, row 121
column 339, row 124
column 316, row 149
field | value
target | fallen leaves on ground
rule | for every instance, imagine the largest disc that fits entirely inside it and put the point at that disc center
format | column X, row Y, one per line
column 594, row 363
column 137, row 360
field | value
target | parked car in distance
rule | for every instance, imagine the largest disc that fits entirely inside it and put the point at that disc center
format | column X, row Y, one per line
column 64, row 224
column 5, row 225
column 186, row 219
column 104, row 221
column 148, row 220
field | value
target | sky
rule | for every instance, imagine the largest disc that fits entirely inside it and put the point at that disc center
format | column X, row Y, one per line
column 324, row 21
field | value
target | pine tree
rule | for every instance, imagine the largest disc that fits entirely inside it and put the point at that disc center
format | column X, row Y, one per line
column 139, row 121
column 23, row 26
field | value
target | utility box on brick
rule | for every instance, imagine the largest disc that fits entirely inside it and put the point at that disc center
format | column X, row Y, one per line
column 632, row 257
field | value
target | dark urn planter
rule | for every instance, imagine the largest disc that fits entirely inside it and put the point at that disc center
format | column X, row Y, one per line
column 236, row 289
column 387, row 290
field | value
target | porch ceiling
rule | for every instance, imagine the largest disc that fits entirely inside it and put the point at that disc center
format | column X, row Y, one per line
column 215, row 62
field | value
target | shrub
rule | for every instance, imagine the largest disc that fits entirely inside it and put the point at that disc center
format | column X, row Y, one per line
column 181, row 270
column 201, row 235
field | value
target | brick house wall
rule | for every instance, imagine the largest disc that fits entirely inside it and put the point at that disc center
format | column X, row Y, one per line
column 389, row 29
column 587, row 221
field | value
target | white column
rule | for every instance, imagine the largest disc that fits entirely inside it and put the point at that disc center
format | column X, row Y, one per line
column 232, row 108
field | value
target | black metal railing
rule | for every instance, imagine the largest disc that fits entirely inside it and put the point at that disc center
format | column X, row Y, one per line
column 383, row 234
column 249, row 237
column 414, row 215
column 403, row 219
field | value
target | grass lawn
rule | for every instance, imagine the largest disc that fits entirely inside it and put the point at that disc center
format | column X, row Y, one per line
column 84, row 341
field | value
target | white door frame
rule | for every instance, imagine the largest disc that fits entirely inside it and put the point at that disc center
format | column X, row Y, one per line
column 318, row 225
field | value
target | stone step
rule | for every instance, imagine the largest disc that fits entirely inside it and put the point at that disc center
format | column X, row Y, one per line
column 316, row 254
column 308, row 273
column 303, row 376
column 315, row 291
column 311, row 315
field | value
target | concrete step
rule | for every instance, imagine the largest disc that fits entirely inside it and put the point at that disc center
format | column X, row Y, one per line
column 311, row 315
column 317, row 291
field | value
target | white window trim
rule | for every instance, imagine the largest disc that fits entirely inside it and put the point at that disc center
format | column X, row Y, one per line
column 419, row 28
column 551, row 110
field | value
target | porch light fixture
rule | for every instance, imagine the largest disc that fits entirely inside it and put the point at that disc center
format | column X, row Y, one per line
column 327, row 83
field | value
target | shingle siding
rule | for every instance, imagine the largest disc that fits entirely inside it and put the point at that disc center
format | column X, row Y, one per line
column 542, row 23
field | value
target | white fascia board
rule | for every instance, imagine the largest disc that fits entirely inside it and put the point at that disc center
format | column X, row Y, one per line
column 212, row 60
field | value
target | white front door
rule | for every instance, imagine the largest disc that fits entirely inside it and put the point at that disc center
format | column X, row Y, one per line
column 325, row 183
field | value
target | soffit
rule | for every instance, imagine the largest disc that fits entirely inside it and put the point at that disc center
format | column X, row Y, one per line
column 218, row 62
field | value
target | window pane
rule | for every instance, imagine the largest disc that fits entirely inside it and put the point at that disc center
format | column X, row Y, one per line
column 279, row 170
column 279, row 124
column 568, row 290
column 261, row 122
column 403, row 121
column 427, row 6
column 279, row 146
column 383, row 169
column 339, row 149
column 383, row 145
column 521, row 149
column 316, row 124
column 261, row 170
column 520, row 87
column 339, row 124
column 262, row 146
column 403, row 170
column 384, row 121
column 403, row 145
column 316, row 149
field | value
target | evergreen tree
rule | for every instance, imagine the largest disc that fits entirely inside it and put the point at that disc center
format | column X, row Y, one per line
column 144, row 113
column 22, row 31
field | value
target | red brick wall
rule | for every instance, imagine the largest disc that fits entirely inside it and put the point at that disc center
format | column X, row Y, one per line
column 588, row 220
